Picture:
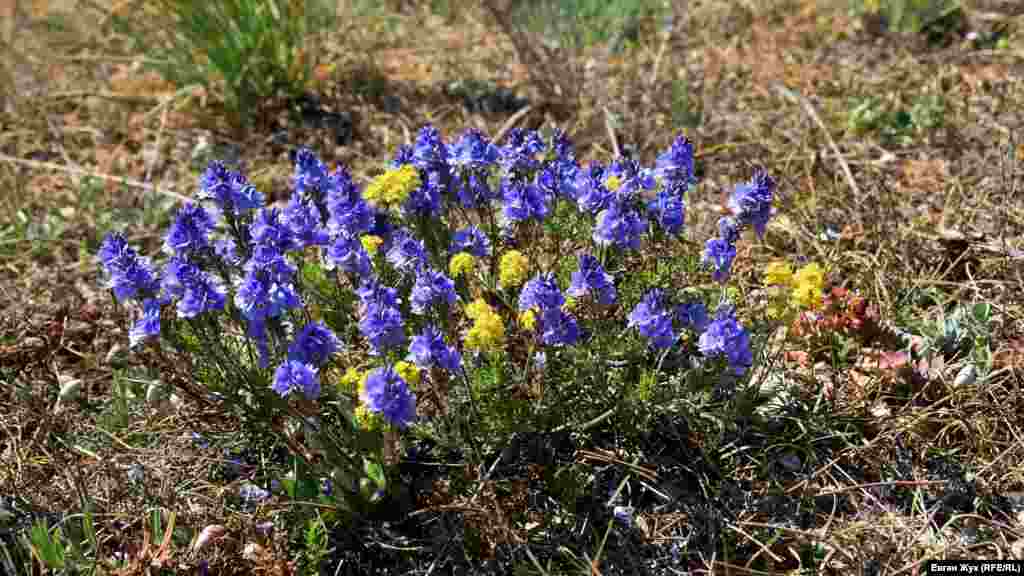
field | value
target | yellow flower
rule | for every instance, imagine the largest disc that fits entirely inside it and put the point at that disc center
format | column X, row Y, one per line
column 409, row 372
column 478, row 308
column 393, row 186
column 371, row 243
column 366, row 419
column 461, row 263
column 528, row 319
column 613, row 183
column 488, row 331
column 513, row 268
column 778, row 273
column 808, row 282
column 351, row 380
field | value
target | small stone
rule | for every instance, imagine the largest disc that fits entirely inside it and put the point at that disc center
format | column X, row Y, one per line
column 70, row 390
column 156, row 392
column 966, row 376
column 252, row 552
column 211, row 532
column 33, row 342
column 791, row 462
column 116, row 355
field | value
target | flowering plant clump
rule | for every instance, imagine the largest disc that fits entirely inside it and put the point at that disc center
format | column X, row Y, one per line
column 432, row 281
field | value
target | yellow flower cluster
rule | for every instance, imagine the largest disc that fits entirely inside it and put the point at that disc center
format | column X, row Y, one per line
column 393, row 186
column 352, row 380
column 409, row 372
column 371, row 244
column 368, row 420
column 808, row 282
column 488, row 330
column 528, row 319
column 778, row 273
column 460, row 264
column 805, row 284
column 613, row 183
column 513, row 268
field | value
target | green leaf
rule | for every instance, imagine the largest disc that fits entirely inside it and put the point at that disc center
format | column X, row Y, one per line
column 48, row 546
column 982, row 312
column 375, row 472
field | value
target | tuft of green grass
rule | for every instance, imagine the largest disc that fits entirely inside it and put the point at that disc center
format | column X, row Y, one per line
column 251, row 49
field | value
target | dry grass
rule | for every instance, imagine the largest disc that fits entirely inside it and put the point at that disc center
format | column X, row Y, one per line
column 937, row 206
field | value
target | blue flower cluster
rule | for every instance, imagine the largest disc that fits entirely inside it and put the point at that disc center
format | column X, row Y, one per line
column 591, row 277
column 556, row 326
column 428, row 350
column 235, row 254
column 387, row 394
column 724, row 336
column 751, row 205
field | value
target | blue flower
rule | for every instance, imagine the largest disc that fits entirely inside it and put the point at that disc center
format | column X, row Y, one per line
column 632, row 178
column 471, row 240
column 383, row 327
column 303, row 219
column 268, row 230
column 380, row 225
column 429, row 153
column 751, row 202
column 619, row 227
column 558, row 176
column 473, row 151
column 591, row 277
column 431, row 286
column 407, row 253
column 348, row 212
column 675, row 165
column 373, row 292
column 718, row 254
column 562, row 147
column 519, row 154
column 428, row 349
column 668, row 210
column 252, row 494
column 692, row 315
column 293, row 375
column 314, row 345
column 474, row 191
column 558, row 328
column 227, row 250
column 724, row 336
column 310, row 172
column 387, row 394
column 267, row 289
column 148, row 325
column 523, row 200
column 591, row 193
column 130, row 274
column 728, row 229
column 196, row 290
column 426, row 200
column 348, row 253
column 190, row 231
column 541, row 292
column 404, row 155
column 228, row 189
column 624, row 514
column 653, row 320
